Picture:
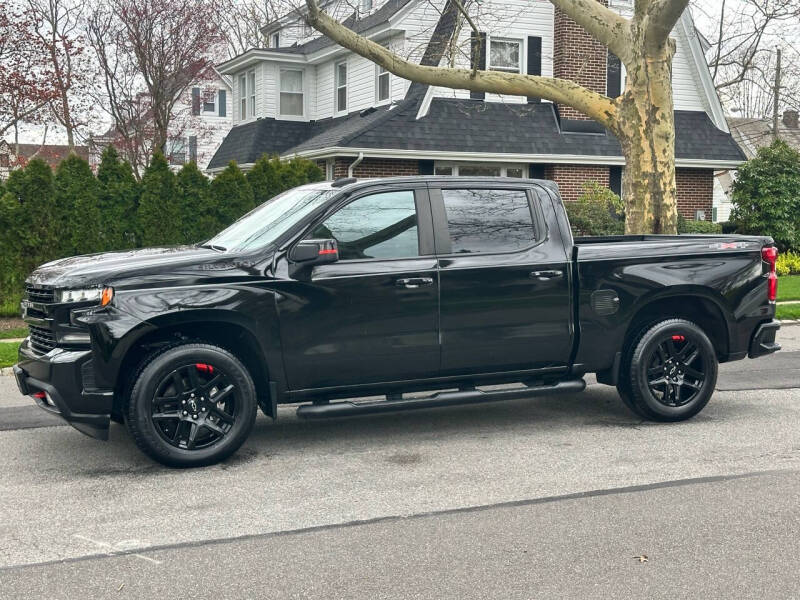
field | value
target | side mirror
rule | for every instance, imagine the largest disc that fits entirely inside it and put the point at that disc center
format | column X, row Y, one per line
column 309, row 253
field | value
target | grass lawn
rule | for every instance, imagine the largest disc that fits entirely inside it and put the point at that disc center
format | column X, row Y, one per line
column 788, row 311
column 789, row 288
column 8, row 353
column 9, row 334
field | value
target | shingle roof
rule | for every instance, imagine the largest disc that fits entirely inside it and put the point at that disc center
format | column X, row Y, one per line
column 752, row 134
column 379, row 17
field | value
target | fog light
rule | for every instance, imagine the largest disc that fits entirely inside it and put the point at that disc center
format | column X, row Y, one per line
column 75, row 338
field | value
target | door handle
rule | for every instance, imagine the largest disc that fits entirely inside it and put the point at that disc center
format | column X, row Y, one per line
column 545, row 275
column 414, row 282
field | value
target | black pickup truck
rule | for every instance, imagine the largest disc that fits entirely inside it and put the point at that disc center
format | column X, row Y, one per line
column 346, row 297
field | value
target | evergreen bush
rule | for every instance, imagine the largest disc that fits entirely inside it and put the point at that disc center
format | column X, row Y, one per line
column 198, row 219
column 159, row 213
column 231, row 195
column 76, row 194
column 118, row 200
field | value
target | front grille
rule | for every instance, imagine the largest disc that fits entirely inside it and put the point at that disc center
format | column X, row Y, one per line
column 39, row 294
column 42, row 340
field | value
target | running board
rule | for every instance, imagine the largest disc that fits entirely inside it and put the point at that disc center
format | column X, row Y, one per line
column 474, row 396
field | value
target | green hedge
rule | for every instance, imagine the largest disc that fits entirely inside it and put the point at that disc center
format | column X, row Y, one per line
column 689, row 226
column 46, row 216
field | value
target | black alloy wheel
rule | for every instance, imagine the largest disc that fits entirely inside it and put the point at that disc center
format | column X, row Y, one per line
column 676, row 372
column 191, row 405
column 668, row 371
column 194, row 406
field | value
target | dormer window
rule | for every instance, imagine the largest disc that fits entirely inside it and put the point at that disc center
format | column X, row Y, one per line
column 341, row 86
column 366, row 6
column 505, row 55
column 275, row 40
column 381, row 84
column 291, row 93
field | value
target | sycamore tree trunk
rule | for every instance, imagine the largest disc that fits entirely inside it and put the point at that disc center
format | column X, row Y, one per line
column 642, row 118
column 645, row 128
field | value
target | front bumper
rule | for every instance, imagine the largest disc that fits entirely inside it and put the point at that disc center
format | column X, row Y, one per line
column 66, row 377
column 763, row 341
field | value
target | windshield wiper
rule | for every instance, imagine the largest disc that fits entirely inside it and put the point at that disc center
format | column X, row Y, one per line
column 214, row 247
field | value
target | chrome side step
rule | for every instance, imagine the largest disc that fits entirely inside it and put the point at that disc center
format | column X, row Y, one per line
column 471, row 396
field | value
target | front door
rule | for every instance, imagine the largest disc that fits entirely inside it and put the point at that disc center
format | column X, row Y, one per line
column 373, row 315
column 505, row 291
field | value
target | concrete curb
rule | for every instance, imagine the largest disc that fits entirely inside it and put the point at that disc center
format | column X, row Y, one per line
column 6, row 371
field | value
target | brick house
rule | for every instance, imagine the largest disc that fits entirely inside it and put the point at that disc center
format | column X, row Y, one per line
column 306, row 96
column 14, row 156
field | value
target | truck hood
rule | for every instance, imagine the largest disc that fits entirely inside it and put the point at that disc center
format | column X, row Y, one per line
column 147, row 266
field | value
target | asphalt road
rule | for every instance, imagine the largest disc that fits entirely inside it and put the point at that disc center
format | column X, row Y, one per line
column 552, row 497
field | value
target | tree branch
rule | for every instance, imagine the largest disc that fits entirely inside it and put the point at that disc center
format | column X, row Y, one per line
column 609, row 28
column 592, row 104
column 661, row 18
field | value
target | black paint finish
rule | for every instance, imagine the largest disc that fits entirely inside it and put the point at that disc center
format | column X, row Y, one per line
column 391, row 325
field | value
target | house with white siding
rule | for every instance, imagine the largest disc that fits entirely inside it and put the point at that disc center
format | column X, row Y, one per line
column 306, row 96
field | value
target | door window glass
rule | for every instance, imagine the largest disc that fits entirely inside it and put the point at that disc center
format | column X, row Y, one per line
column 377, row 226
column 488, row 220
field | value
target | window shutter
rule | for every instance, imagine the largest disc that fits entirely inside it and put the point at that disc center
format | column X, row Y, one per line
column 223, row 103
column 613, row 76
column 426, row 167
column 536, row 171
column 195, row 101
column 534, row 61
column 615, row 180
column 478, row 58
column 193, row 148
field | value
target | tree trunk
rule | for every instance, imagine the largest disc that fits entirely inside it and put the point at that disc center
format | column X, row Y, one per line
column 646, row 130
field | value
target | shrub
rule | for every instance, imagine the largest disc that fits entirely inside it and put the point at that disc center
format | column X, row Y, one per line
column 690, row 226
column 231, row 195
column 76, row 195
column 159, row 212
column 30, row 227
column 788, row 263
column 598, row 211
column 118, row 200
column 270, row 176
column 198, row 221
column 766, row 195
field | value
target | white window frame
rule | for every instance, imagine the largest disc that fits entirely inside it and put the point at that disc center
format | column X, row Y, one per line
column 366, row 6
column 382, row 72
column 302, row 94
column 243, row 96
column 275, row 39
column 503, row 167
column 337, row 85
column 517, row 41
column 251, row 82
column 215, row 100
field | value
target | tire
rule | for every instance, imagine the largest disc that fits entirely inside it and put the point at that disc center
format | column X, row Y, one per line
column 191, row 405
column 669, row 372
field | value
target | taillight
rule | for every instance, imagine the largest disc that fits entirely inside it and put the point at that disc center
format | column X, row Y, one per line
column 770, row 256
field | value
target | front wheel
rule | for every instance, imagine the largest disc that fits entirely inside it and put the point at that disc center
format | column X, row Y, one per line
column 191, row 405
column 669, row 372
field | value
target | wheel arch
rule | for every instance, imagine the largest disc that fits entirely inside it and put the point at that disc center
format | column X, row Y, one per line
column 219, row 328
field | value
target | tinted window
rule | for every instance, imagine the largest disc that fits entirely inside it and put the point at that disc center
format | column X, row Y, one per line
column 377, row 226
column 488, row 220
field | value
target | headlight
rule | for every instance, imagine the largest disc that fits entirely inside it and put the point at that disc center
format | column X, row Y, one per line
column 85, row 295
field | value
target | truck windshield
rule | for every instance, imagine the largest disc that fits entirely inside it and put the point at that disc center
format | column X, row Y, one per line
column 266, row 223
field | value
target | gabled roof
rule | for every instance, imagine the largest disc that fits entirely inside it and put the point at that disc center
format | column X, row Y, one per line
column 52, row 154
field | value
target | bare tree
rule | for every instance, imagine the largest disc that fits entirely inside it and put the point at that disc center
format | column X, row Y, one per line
column 240, row 23
column 642, row 118
column 56, row 24
column 26, row 84
column 743, row 35
column 172, row 47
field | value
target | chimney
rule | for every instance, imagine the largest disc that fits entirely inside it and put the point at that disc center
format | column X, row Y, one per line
column 790, row 119
column 579, row 57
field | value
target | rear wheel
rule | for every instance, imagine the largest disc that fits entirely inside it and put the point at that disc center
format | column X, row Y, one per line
column 669, row 372
column 191, row 405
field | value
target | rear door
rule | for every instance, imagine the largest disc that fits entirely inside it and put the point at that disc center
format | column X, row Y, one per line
column 505, row 279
